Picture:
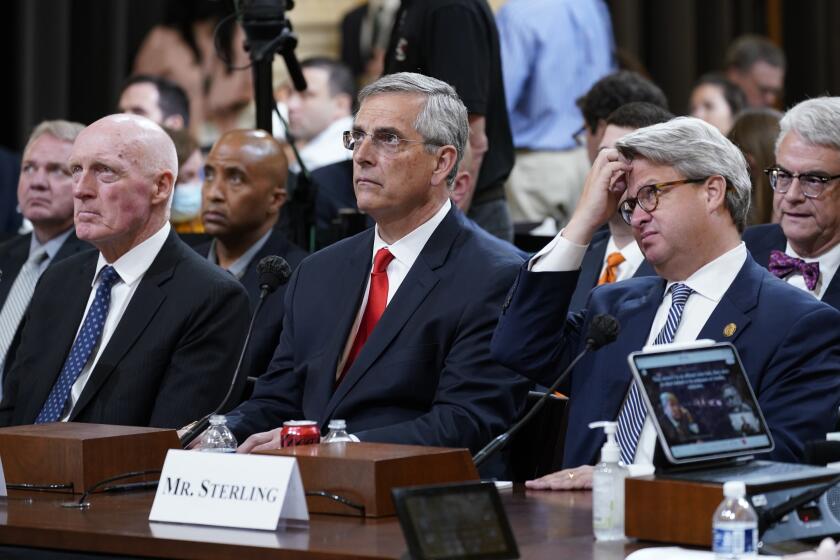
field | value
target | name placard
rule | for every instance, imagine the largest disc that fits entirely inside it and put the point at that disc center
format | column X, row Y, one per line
column 229, row 490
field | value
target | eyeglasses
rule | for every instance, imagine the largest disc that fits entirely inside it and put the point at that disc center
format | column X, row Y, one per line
column 384, row 142
column 648, row 197
column 811, row 184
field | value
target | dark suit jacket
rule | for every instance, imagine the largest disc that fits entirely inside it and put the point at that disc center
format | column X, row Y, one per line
column 266, row 333
column 169, row 360
column 13, row 255
column 425, row 375
column 762, row 239
column 10, row 218
column 590, row 269
column 789, row 344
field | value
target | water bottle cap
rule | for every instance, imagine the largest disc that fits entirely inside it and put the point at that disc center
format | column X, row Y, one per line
column 218, row 420
column 734, row 489
column 337, row 425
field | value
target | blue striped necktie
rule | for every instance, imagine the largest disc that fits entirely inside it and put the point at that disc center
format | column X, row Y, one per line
column 631, row 418
column 82, row 349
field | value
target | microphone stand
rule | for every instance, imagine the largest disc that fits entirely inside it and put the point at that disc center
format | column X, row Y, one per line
column 196, row 427
column 502, row 439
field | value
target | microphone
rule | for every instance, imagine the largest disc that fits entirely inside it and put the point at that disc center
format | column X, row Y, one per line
column 603, row 329
column 770, row 516
column 272, row 271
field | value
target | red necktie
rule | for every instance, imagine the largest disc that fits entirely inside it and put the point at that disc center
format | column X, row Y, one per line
column 377, row 300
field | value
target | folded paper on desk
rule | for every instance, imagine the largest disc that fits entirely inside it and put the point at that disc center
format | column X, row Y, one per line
column 229, row 490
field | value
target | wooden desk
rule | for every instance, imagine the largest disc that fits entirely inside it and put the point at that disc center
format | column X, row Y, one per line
column 546, row 525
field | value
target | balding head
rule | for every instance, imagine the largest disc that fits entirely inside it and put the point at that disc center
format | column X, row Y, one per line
column 244, row 186
column 124, row 167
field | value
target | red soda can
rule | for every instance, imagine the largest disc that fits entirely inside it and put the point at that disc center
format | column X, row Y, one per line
column 299, row 432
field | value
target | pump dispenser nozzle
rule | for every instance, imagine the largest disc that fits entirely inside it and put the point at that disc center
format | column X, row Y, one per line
column 610, row 452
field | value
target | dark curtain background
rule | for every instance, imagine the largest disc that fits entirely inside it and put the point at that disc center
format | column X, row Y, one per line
column 68, row 57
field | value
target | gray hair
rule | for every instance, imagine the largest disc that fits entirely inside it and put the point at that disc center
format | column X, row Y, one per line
column 817, row 121
column 443, row 118
column 695, row 149
column 62, row 130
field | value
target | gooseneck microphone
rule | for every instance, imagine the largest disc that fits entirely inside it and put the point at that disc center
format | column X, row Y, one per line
column 272, row 272
column 602, row 330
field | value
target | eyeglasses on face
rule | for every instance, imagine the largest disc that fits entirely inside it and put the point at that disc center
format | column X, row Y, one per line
column 383, row 142
column 648, row 197
column 812, row 185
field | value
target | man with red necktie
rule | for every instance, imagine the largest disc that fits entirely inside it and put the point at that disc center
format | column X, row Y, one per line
column 803, row 249
column 390, row 329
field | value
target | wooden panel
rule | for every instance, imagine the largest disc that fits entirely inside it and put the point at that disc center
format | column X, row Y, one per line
column 81, row 454
column 366, row 472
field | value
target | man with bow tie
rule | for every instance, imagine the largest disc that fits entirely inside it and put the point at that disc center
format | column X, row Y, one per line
column 804, row 247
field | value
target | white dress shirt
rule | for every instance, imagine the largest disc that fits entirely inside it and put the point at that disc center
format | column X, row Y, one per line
column 633, row 258
column 709, row 284
column 326, row 148
column 829, row 263
column 131, row 267
column 405, row 252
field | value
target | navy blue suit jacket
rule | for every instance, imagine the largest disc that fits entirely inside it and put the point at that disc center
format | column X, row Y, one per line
column 266, row 332
column 788, row 341
column 425, row 375
column 762, row 239
column 590, row 269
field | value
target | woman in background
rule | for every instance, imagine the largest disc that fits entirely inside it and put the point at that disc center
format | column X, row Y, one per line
column 755, row 132
column 717, row 101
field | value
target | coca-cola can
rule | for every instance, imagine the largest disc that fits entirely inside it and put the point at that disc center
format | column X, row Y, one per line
column 299, row 432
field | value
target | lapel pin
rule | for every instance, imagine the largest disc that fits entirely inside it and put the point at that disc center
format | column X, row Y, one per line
column 729, row 329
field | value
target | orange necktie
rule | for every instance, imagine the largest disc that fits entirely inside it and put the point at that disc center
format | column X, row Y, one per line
column 610, row 273
column 377, row 300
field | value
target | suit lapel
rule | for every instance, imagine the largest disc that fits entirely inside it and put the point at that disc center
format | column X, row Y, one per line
column 590, row 270
column 143, row 306
column 421, row 279
column 832, row 293
column 349, row 293
column 732, row 311
column 69, row 316
column 12, row 262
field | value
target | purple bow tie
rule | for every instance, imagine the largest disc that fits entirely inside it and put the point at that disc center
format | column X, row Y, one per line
column 782, row 264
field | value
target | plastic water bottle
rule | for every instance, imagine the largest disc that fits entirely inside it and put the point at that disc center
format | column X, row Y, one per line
column 734, row 525
column 608, row 488
column 338, row 432
column 218, row 438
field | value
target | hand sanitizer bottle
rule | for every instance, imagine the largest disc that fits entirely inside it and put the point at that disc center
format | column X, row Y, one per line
column 608, row 488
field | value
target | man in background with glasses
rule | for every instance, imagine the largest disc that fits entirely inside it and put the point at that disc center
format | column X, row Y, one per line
column 685, row 191
column 804, row 247
column 390, row 329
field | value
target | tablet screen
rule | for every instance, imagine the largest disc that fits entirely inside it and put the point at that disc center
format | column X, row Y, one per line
column 703, row 405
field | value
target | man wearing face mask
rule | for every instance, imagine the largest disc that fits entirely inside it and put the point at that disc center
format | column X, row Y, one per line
column 244, row 188
column 185, row 214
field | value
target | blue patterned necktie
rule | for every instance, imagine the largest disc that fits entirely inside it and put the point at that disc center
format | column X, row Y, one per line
column 631, row 418
column 82, row 349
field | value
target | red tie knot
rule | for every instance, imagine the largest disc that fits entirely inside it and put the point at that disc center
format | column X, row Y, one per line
column 381, row 261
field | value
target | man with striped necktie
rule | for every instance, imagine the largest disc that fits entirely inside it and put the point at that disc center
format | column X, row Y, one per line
column 45, row 198
column 685, row 191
